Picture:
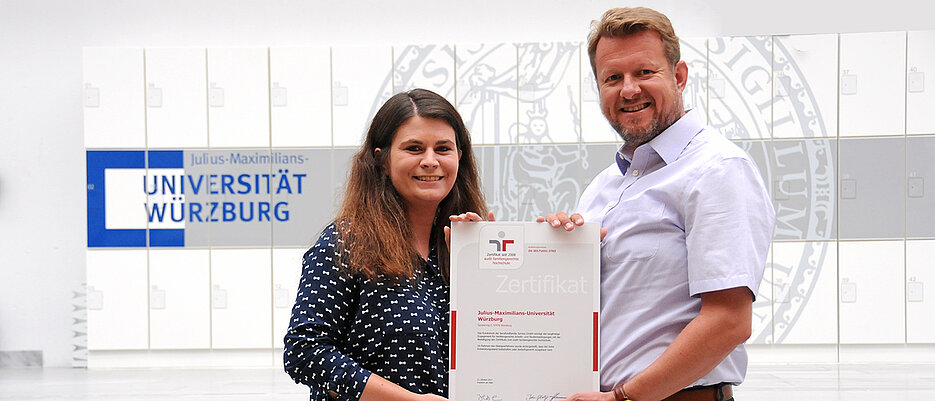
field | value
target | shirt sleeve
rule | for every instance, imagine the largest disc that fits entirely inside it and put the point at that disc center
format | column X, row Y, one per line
column 728, row 227
column 323, row 311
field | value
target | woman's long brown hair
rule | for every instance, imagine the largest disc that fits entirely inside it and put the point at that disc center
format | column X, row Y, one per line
column 375, row 234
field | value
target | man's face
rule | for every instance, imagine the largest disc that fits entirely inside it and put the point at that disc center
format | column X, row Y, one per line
column 641, row 93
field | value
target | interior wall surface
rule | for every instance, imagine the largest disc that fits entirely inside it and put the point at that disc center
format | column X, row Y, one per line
column 43, row 223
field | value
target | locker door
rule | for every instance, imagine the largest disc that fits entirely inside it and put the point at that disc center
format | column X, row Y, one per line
column 308, row 198
column 762, row 331
column 341, row 162
column 864, row 80
column 113, row 98
column 238, row 97
column 300, row 96
column 920, row 307
column 805, row 307
column 872, row 292
column 805, row 99
column 872, row 197
column 740, row 86
column 802, row 185
column 241, row 307
column 920, row 100
column 287, row 269
column 429, row 67
column 176, row 97
column 920, row 201
column 240, row 195
column 594, row 127
column 549, row 92
column 179, row 299
column 486, row 89
column 362, row 80
column 117, row 304
column 695, row 54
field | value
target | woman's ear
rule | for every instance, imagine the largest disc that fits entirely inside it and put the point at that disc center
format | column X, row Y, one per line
column 376, row 157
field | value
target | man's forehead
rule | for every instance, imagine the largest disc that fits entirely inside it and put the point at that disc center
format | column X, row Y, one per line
column 640, row 50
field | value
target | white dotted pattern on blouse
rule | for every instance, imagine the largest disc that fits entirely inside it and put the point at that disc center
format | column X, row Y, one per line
column 345, row 326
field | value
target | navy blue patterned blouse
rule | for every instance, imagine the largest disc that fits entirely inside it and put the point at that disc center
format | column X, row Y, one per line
column 345, row 326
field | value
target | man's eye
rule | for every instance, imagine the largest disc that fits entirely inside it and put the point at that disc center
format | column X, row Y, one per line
column 612, row 78
column 646, row 72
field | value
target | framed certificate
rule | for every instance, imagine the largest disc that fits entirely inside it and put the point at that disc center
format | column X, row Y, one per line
column 524, row 311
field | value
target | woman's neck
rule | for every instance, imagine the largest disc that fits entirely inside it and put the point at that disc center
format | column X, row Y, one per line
column 420, row 221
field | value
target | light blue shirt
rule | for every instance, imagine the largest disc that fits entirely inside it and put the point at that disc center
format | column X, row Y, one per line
column 686, row 214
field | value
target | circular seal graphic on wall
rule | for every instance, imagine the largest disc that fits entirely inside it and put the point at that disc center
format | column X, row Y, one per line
column 799, row 172
column 527, row 176
column 530, row 177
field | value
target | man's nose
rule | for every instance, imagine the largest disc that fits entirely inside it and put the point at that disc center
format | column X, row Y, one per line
column 629, row 88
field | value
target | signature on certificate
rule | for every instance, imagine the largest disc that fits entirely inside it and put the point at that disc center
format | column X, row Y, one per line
column 543, row 397
column 488, row 397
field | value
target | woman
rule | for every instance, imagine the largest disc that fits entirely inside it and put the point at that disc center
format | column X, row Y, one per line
column 371, row 316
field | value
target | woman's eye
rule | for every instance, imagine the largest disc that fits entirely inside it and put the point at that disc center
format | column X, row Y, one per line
column 413, row 148
column 442, row 149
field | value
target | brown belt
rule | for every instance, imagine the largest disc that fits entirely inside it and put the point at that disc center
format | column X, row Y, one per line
column 717, row 392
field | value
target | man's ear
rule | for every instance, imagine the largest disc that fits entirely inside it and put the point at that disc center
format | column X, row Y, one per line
column 681, row 75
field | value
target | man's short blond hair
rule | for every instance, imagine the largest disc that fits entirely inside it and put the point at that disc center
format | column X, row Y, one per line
column 620, row 22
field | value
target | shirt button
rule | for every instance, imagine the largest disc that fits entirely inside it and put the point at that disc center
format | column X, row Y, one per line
column 636, row 173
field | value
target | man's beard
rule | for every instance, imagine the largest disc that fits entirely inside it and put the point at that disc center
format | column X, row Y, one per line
column 635, row 138
column 638, row 137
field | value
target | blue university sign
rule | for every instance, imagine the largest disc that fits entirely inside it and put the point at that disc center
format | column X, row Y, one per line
column 200, row 198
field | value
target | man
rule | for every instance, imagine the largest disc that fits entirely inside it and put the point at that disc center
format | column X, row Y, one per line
column 688, row 224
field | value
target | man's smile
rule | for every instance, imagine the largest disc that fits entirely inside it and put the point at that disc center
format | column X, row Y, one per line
column 635, row 108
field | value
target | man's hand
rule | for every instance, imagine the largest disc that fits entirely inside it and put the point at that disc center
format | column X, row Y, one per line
column 469, row 216
column 562, row 219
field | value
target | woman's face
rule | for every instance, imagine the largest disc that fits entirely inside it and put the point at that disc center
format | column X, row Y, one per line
column 423, row 162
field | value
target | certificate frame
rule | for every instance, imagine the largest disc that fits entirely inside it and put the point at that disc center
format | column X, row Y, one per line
column 525, row 321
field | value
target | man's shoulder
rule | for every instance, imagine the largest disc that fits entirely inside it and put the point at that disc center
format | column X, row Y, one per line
column 711, row 145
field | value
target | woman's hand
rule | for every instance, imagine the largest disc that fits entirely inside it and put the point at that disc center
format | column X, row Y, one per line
column 469, row 216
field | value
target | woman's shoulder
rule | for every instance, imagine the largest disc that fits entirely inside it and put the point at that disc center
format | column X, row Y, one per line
column 327, row 240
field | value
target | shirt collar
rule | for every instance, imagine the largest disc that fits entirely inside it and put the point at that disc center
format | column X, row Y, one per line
column 670, row 143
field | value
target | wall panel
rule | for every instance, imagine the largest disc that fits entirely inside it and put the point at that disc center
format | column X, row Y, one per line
column 864, row 80
column 176, row 97
column 871, row 292
column 179, row 299
column 113, row 98
column 361, row 80
column 300, row 96
column 117, row 300
column 241, row 299
column 238, row 97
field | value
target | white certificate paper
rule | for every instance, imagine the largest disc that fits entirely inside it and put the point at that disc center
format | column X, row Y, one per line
column 524, row 311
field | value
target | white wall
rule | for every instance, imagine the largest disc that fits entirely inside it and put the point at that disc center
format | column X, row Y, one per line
column 42, row 196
